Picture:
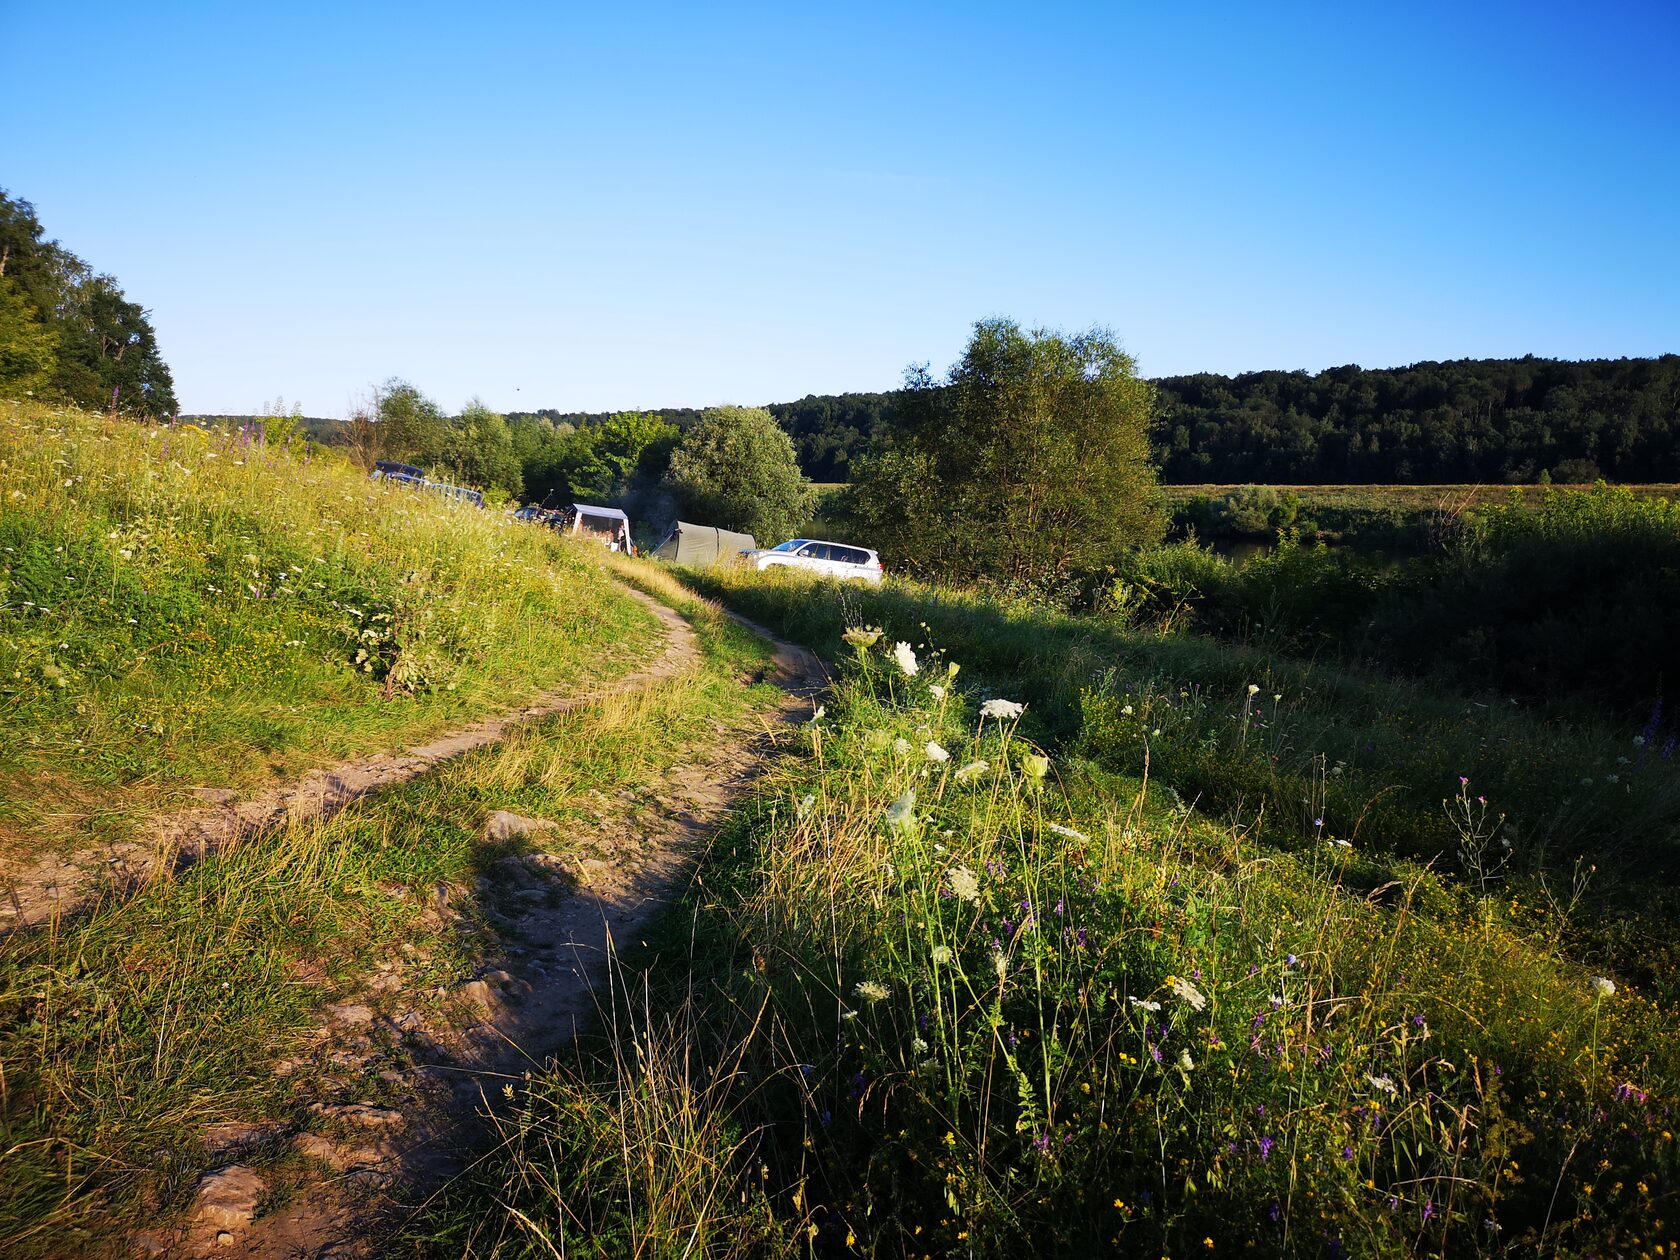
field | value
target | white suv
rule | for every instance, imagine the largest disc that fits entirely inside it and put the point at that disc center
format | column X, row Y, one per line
column 835, row 560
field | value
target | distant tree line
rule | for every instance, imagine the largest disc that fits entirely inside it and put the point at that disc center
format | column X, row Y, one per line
column 1469, row 420
column 67, row 332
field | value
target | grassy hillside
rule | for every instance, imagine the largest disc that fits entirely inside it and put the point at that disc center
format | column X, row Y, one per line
column 135, row 1032
column 1259, row 958
column 180, row 608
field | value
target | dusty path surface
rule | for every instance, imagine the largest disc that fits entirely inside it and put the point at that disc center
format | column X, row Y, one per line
column 60, row 883
column 347, row 1182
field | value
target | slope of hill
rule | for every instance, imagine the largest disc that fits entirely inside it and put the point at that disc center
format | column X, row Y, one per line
column 185, row 609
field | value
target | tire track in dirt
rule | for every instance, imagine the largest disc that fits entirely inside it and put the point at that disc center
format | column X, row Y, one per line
column 60, row 884
column 369, row 1168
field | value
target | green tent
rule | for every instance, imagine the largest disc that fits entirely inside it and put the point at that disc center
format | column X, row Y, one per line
column 701, row 545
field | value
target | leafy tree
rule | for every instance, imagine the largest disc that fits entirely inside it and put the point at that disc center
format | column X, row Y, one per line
column 736, row 469
column 412, row 427
column 479, row 447
column 90, row 345
column 28, row 345
column 1028, row 464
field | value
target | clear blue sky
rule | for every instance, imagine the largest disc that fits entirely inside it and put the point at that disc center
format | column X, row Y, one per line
column 615, row 206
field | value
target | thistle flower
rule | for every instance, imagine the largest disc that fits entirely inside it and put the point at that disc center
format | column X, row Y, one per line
column 1187, row 992
column 935, row 753
column 901, row 814
column 1602, row 987
column 871, row 990
column 862, row 637
column 905, row 655
column 965, row 886
column 973, row 770
column 1002, row 710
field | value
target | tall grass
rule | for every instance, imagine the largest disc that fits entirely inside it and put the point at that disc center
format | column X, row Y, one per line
column 960, row 998
column 181, row 607
column 129, row 1030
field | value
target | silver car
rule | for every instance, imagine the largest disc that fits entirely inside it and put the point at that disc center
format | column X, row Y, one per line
column 836, row 560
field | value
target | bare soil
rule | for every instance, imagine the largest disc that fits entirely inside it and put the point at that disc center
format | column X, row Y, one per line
column 58, row 884
column 345, row 1182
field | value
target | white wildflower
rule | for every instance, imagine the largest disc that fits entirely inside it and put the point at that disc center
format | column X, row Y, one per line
column 901, row 746
column 1384, row 1082
column 1603, row 987
column 973, row 770
column 1002, row 710
column 1639, row 741
column 1000, row 964
column 1253, row 689
column 1143, row 1005
column 905, row 655
column 862, row 637
column 901, row 814
column 942, row 955
column 821, row 712
column 1187, row 992
column 918, row 1046
column 1035, row 766
column 965, row 885
column 1068, row 832
column 936, row 691
column 935, row 752
column 871, row 990
column 1127, row 711
column 1185, row 1062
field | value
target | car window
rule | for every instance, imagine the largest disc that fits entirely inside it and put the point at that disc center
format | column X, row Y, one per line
column 814, row 551
column 792, row 544
column 851, row 555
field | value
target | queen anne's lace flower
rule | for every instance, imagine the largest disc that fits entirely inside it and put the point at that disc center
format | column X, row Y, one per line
column 1603, row 986
column 905, row 655
column 1035, row 766
column 973, row 770
column 901, row 814
column 935, row 752
column 1187, row 992
column 1002, row 710
column 871, row 990
column 862, row 637
column 965, row 886
column 1068, row 832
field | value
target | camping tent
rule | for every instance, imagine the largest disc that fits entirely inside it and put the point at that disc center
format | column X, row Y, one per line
column 609, row 525
column 702, row 545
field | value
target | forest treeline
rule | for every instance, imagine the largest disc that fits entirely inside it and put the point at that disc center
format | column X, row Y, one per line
column 67, row 332
column 1469, row 420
